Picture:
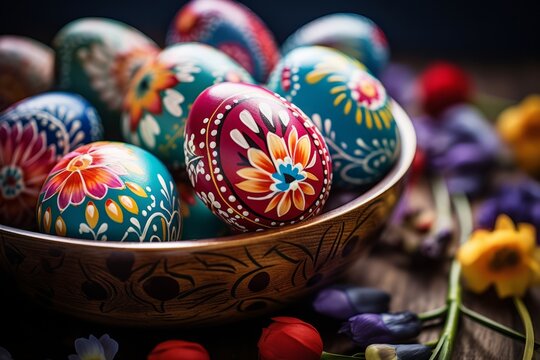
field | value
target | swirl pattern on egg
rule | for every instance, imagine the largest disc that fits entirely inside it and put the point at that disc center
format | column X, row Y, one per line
column 349, row 106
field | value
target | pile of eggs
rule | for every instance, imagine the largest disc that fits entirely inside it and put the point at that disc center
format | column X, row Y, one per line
column 219, row 131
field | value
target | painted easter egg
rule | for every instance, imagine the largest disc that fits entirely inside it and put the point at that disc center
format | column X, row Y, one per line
column 97, row 58
column 198, row 222
column 230, row 27
column 34, row 134
column 348, row 105
column 109, row 191
column 256, row 160
column 353, row 34
column 162, row 92
column 26, row 69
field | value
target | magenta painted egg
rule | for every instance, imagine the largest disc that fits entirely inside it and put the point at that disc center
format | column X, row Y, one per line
column 232, row 28
column 256, row 160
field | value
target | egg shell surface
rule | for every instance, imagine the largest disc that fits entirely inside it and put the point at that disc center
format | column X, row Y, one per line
column 352, row 34
column 162, row 92
column 254, row 158
column 230, row 27
column 34, row 134
column 26, row 68
column 109, row 191
column 349, row 106
column 97, row 57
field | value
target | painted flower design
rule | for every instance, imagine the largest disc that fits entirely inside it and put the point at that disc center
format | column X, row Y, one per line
column 355, row 90
column 282, row 176
column 144, row 93
column 25, row 161
column 109, row 72
column 87, row 171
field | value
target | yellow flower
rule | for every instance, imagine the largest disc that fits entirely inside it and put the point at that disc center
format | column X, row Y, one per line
column 519, row 127
column 507, row 257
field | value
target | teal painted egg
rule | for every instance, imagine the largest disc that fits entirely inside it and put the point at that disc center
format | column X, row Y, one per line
column 161, row 94
column 26, row 68
column 349, row 106
column 353, row 34
column 34, row 134
column 198, row 222
column 109, row 191
column 97, row 58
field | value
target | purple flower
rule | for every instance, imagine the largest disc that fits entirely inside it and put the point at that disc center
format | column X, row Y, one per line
column 398, row 352
column 342, row 302
column 460, row 145
column 4, row 354
column 399, row 82
column 93, row 349
column 518, row 198
column 366, row 329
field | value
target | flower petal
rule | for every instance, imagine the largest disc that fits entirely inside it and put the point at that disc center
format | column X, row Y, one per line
column 298, row 199
column 98, row 180
column 255, row 186
column 254, row 174
column 306, row 188
column 72, row 191
column 54, row 183
column 276, row 147
column 474, row 280
column 284, row 205
column 504, row 223
column 260, row 160
column 273, row 203
column 302, row 151
column 514, row 286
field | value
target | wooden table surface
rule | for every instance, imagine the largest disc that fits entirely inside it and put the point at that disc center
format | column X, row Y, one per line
column 32, row 333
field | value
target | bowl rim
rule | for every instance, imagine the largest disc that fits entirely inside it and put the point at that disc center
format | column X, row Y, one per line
column 398, row 171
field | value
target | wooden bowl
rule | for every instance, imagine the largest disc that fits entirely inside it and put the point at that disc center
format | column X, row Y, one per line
column 205, row 281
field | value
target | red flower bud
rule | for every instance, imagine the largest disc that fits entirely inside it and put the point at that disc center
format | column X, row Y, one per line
column 443, row 84
column 178, row 350
column 290, row 338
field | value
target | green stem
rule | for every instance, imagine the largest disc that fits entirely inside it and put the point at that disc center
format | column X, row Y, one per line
column 493, row 325
column 528, row 353
column 433, row 314
column 453, row 299
column 329, row 356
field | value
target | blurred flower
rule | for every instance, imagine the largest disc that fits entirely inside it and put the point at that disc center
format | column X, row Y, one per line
column 367, row 329
column 343, row 301
column 461, row 146
column 178, row 350
column 4, row 354
column 506, row 257
column 519, row 198
column 434, row 246
column 93, row 349
column 441, row 85
column 290, row 338
column 399, row 81
column 519, row 126
column 398, row 352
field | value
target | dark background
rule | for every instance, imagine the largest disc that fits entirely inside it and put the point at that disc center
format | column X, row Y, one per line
column 493, row 30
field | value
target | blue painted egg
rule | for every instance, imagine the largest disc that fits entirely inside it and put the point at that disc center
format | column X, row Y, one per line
column 353, row 34
column 161, row 94
column 198, row 222
column 110, row 191
column 349, row 106
column 34, row 134
column 230, row 27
